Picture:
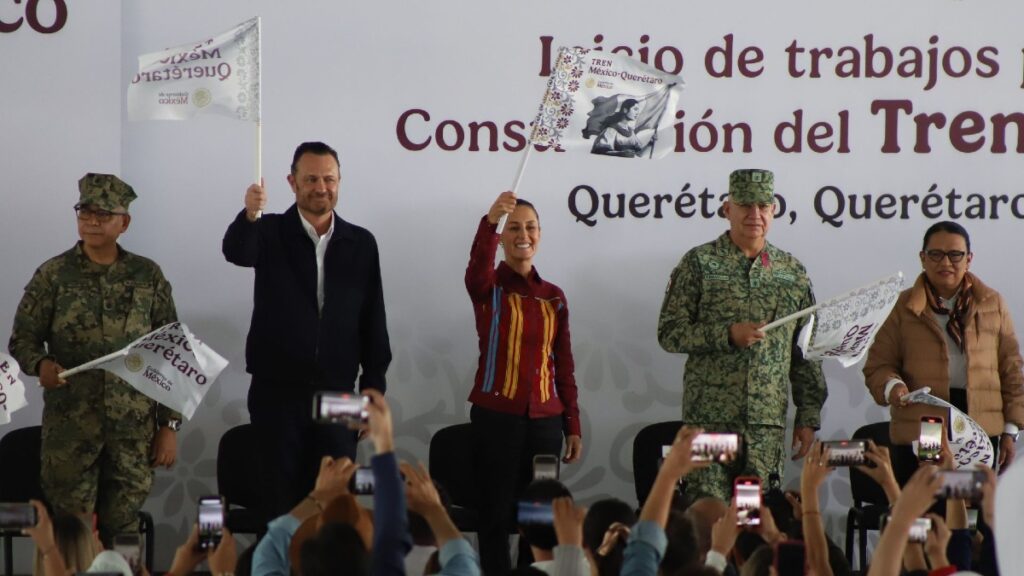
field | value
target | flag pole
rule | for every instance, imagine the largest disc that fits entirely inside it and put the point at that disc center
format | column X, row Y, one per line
column 92, row 364
column 790, row 318
column 259, row 106
column 515, row 183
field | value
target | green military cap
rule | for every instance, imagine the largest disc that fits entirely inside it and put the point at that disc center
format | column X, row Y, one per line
column 752, row 186
column 105, row 191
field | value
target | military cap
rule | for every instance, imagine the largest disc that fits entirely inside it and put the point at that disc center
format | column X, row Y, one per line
column 752, row 186
column 105, row 191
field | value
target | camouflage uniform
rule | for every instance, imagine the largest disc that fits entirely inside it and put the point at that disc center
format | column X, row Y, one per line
column 742, row 390
column 97, row 430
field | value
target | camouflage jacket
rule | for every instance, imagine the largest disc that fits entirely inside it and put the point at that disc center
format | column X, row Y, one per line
column 714, row 286
column 75, row 310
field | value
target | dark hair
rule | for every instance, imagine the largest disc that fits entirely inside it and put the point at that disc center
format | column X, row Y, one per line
column 528, row 204
column 419, row 529
column 683, row 551
column 601, row 515
column 336, row 550
column 948, row 227
column 628, row 103
column 542, row 535
column 317, row 148
column 244, row 565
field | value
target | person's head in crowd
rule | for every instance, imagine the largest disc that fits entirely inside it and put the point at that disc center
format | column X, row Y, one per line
column 602, row 543
column 541, row 537
column 704, row 512
column 329, row 542
column 746, row 544
column 336, row 550
column 683, row 551
column 760, row 561
column 75, row 542
column 782, row 511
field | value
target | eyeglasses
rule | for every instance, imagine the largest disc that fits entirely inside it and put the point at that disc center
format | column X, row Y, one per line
column 88, row 213
column 953, row 255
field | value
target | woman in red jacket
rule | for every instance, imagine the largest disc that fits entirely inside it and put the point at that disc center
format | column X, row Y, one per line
column 524, row 394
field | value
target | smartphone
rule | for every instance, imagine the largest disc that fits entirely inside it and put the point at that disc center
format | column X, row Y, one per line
column 713, row 447
column 362, row 481
column 532, row 512
column 339, row 408
column 961, row 484
column 211, row 521
column 131, row 547
column 15, row 516
column 545, row 467
column 919, row 530
column 847, row 453
column 747, row 491
column 929, row 443
column 790, row 557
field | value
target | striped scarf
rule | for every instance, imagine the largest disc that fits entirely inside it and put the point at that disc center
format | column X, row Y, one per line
column 955, row 326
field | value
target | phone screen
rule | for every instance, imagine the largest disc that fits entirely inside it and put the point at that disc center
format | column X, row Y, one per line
column 17, row 515
column 211, row 521
column 545, row 467
column 929, row 445
column 961, row 484
column 363, row 481
column 711, row 447
column 339, row 407
column 919, row 530
column 748, row 501
column 846, row 452
column 535, row 513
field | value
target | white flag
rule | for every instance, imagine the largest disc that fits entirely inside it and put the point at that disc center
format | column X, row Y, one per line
column 12, row 390
column 169, row 365
column 844, row 327
column 970, row 444
column 607, row 104
column 219, row 75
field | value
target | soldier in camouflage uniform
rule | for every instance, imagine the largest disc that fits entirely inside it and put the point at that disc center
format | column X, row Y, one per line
column 101, row 437
column 737, row 376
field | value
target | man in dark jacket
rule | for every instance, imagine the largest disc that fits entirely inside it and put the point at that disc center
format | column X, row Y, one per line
column 318, row 318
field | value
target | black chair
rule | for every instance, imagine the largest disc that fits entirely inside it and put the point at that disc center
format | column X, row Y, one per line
column 451, row 465
column 20, row 454
column 647, row 450
column 21, row 450
column 236, row 481
column 869, row 501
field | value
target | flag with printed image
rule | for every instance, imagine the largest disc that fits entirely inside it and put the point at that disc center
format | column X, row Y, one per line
column 844, row 327
column 607, row 104
column 219, row 75
column 169, row 365
column 12, row 389
column 969, row 442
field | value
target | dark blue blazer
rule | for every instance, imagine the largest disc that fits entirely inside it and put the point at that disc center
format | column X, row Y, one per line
column 289, row 339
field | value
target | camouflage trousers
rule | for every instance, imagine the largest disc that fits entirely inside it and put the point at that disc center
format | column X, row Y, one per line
column 763, row 452
column 85, row 474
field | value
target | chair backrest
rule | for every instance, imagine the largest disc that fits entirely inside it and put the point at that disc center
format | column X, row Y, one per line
column 237, row 468
column 864, row 489
column 451, row 464
column 647, row 447
column 20, row 453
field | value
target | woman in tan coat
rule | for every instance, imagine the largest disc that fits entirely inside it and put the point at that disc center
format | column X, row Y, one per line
column 951, row 333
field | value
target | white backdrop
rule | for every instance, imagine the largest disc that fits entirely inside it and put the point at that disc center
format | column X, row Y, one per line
column 347, row 73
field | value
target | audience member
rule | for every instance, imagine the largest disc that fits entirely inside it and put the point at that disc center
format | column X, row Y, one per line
column 63, row 543
column 605, row 530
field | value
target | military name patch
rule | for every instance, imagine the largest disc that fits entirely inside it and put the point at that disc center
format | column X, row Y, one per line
column 785, row 276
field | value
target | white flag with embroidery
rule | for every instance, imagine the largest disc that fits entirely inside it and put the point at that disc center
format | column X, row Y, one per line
column 970, row 444
column 844, row 327
column 12, row 390
column 169, row 365
column 607, row 104
column 219, row 75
